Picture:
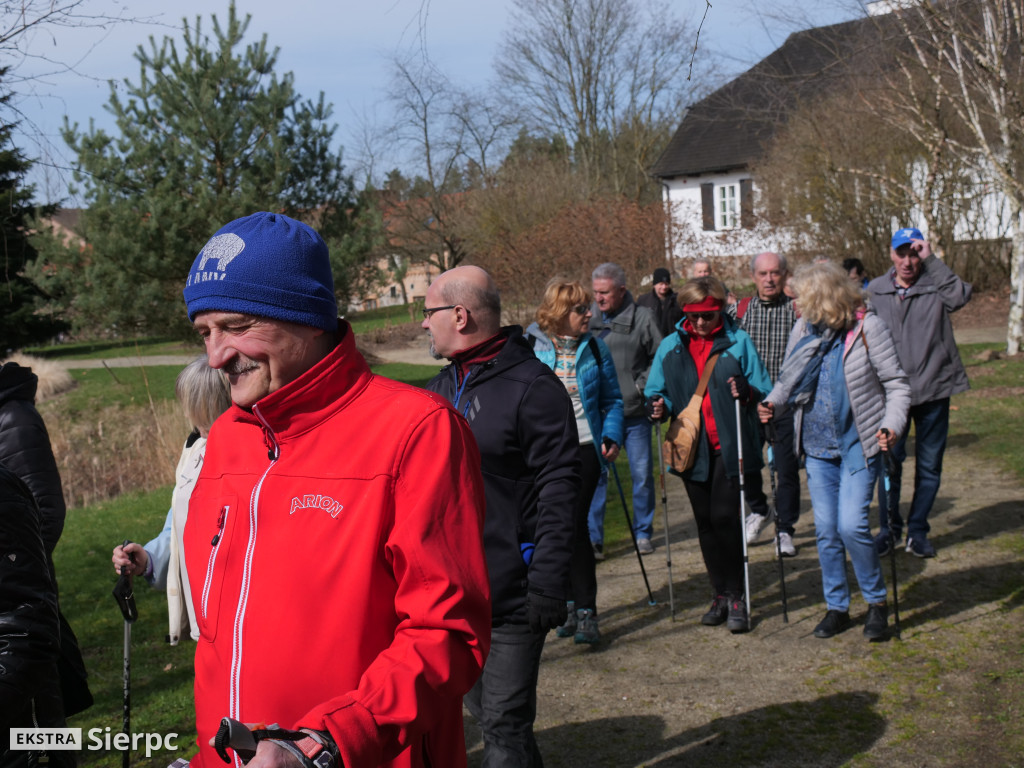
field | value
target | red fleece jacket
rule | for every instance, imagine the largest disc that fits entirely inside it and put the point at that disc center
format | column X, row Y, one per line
column 334, row 550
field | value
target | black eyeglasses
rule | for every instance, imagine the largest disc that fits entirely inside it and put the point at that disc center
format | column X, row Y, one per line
column 581, row 309
column 428, row 311
column 707, row 317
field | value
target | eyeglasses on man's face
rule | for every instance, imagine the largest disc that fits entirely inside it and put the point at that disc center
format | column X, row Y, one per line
column 428, row 311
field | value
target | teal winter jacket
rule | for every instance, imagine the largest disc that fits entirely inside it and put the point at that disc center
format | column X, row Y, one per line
column 674, row 377
column 597, row 380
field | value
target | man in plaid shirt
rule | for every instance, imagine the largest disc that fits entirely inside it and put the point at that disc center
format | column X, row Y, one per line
column 768, row 317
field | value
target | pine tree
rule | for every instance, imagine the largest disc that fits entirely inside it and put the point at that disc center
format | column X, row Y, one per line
column 20, row 324
column 208, row 133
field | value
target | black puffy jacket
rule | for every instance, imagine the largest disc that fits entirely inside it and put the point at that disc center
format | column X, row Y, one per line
column 29, row 630
column 523, row 422
column 25, row 448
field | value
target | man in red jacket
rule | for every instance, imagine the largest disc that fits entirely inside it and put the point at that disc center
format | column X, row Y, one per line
column 336, row 563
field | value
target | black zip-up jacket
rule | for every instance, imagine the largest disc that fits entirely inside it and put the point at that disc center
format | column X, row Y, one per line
column 523, row 421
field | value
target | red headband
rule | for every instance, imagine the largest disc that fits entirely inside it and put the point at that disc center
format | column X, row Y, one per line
column 710, row 304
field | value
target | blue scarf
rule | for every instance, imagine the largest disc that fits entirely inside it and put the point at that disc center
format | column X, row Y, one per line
column 825, row 338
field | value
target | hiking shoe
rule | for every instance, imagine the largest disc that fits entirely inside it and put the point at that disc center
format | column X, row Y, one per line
column 756, row 524
column 833, row 623
column 569, row 628
column 785, row 546
column 598, row 548
column 644, row 546
column 877, row 622
column 587, row 632
column 717, row 613
column 919, row 546
column 737, row 621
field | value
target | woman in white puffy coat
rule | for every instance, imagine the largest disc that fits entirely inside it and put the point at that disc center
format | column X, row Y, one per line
column 850, row 398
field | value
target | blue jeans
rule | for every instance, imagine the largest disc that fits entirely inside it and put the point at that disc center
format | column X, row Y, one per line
column 841, row 502
column 504, row 699
column 641, row 468
column 931, row 428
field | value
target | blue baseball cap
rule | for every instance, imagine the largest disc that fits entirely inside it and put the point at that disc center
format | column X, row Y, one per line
column 904, row 236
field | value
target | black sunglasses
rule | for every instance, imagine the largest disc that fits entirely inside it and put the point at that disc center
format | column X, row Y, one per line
column 581, row 309
column 707, row 317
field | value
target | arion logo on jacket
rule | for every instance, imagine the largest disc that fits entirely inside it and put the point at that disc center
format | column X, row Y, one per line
column 316, row 501
column 223, row 249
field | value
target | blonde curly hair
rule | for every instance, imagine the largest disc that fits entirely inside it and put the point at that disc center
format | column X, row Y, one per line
column 825, row 294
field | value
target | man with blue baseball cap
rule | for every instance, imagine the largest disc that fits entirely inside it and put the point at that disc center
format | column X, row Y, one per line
column 334, row 541
column 916, row 298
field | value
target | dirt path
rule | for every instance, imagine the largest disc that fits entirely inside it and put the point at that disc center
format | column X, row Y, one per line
column 675, row 693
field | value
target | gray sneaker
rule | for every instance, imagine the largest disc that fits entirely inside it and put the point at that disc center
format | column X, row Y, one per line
column 568, row 629
column 756, row 524
column 644, row 546
column 598, row 550
column 587, row 632
column 785, row 546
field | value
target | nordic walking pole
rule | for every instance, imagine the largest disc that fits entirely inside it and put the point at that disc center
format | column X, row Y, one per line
column 888, row 469
column 743, row 513
column 664, row 507
column 632, row 533
column 125, row 597
column 769, row 436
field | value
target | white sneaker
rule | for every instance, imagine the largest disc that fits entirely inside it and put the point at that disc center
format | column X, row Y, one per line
column 785, row 545
column 755, row 524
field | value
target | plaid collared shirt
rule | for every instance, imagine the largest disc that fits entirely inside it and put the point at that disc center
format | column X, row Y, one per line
column 768, row 326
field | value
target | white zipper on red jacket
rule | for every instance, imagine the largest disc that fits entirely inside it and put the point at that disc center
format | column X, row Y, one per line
column 273, row 453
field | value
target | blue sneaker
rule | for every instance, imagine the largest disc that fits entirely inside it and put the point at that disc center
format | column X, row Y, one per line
column 919, row 546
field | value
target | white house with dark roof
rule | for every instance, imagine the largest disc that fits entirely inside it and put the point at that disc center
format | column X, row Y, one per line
column 707, row 170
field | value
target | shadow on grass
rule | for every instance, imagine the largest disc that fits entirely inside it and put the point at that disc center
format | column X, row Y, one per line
column 831, row 730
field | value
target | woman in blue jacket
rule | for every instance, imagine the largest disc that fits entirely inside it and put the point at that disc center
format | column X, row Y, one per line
column 711, row 483
column 560, row 339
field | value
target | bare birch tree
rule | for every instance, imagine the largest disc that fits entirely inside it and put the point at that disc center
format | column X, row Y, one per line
column 971, row 51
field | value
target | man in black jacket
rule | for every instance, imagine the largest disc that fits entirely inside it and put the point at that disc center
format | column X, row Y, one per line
column 663, row 302
column 523, row 421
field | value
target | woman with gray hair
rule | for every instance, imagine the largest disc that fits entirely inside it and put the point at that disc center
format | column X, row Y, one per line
column 850, row 399
column 204, row 395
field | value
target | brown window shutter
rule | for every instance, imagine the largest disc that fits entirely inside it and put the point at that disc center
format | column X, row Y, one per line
column 747, row 203
column 707, row 204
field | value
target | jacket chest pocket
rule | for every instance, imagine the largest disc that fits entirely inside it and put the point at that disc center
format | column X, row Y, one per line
column 210, row 552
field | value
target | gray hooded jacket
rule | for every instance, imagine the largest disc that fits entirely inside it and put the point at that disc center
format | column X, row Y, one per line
column 922, row 330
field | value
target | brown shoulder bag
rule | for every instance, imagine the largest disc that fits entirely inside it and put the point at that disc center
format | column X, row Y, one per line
column 680, row 446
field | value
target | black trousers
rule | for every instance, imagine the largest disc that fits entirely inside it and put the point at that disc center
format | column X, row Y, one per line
column 582, row 573
column 716, row 508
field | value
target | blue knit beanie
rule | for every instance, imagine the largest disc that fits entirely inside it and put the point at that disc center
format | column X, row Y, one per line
column 266, row 265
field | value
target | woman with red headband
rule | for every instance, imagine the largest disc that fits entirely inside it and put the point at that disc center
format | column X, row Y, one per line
column 712, row 482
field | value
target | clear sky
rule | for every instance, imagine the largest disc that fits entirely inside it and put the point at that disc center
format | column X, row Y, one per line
column 340, row 47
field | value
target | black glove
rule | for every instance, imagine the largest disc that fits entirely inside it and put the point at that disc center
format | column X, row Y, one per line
column 742, row 386
column 545, row 612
